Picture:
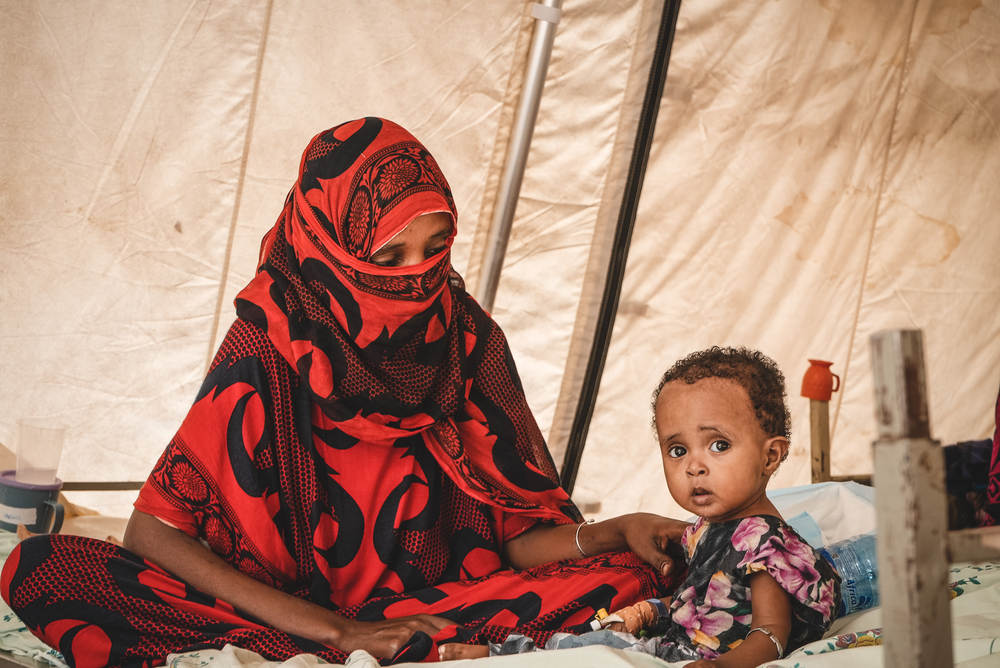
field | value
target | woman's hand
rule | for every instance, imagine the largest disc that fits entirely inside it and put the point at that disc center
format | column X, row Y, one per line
column 654, row 539
column 384, row 639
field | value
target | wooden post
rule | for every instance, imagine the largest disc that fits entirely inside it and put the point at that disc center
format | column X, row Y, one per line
column 819, row 432
column 912, row 536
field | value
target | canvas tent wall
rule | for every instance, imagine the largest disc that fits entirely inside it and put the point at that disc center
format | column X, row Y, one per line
column 822, row 170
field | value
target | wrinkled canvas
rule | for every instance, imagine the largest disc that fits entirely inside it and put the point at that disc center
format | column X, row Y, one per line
column 821, row 170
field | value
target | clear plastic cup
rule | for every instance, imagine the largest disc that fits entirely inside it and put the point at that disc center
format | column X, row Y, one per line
column 39, row 446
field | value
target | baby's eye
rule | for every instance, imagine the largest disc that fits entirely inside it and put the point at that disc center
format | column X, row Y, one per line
column 719, row 446
column 675, row 451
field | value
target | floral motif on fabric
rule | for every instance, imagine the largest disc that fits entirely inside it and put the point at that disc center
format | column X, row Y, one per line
column 359, row 223
column 711, row 611
column 387, row 177
column 864, row 639
column 188, row 483
column 869, row 638
column 397, row 175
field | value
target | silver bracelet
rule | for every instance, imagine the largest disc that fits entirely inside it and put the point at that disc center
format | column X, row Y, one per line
column 577, row 539
column 770, row 635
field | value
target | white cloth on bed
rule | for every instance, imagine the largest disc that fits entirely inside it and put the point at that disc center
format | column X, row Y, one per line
column 840, row 509
column 975, row 629
column 234, row 657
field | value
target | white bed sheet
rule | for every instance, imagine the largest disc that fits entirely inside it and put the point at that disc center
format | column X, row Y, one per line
column 975, row 615
column 840, row 509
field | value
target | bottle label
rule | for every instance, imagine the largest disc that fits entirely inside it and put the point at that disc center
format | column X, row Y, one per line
column 858, row 587
column 857, row 595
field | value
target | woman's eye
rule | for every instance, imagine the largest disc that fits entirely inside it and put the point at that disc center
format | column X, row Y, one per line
column 389, row 261
column 719, row 446
column 431, row 252
column 675, row 451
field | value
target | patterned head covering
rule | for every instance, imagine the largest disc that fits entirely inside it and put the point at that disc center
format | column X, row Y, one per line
column 389, row 352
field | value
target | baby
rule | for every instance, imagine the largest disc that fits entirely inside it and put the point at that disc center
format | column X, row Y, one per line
column 754, row 589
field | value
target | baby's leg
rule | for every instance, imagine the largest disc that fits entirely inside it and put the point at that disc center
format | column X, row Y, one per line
column 453, row 651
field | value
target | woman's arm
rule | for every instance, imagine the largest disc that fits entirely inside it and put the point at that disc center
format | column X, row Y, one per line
column 649, row 536
column 772, row 610
column 186, row 558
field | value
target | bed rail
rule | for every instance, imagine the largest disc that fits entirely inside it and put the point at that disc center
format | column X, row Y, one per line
column 102, row 486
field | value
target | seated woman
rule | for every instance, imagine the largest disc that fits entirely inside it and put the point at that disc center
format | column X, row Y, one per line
column 359, row 470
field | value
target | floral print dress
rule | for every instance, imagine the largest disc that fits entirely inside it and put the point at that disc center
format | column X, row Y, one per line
column 710, row 613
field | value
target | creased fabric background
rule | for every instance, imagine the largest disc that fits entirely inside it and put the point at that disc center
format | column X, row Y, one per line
column 822, row 170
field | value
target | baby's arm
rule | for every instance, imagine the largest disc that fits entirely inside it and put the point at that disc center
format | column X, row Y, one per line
column 635, row 618
column 771, row 610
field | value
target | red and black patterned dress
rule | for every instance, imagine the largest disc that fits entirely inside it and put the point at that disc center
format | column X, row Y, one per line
column 990, row 515
column 361, row 441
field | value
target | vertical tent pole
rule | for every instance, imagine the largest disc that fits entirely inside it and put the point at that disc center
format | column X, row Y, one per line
column 547, row 14
column 622, row 240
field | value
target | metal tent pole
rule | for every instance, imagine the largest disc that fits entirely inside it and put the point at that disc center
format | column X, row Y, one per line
column 547, row 14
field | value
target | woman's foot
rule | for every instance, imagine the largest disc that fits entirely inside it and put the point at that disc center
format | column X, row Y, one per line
column 453, row 651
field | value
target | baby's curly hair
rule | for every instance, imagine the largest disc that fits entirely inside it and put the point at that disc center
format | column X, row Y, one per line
column 752, row 370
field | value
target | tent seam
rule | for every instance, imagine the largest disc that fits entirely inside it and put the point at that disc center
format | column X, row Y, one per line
column 878, row 205
column 240, row 182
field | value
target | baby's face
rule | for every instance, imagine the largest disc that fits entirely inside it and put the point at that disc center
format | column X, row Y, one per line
column 716, row 458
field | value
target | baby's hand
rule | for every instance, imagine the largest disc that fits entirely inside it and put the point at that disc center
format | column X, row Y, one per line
column 635, row 618
column 618, row 626
column 455, row 651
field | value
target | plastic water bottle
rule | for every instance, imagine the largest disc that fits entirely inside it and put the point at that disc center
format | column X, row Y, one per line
column 857, row 564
